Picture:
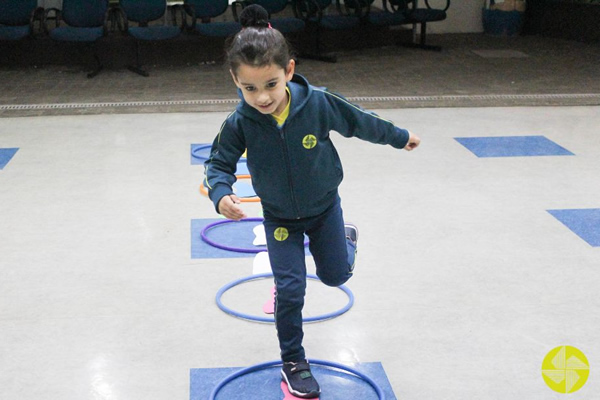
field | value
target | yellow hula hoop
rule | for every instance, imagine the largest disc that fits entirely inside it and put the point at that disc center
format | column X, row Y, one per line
column 243, row 200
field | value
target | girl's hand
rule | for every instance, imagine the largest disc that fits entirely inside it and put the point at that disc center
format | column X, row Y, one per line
column 229, row 207
column 413, row 142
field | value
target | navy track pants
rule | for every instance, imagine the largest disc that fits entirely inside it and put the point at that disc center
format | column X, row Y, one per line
column 334, row 257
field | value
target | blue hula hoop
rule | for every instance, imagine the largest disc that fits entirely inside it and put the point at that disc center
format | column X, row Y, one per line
column 330, row 364
column 256, row 318
column 198, row 149
column 208, row 227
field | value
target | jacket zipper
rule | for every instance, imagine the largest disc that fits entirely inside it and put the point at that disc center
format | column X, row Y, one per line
column 288, row 170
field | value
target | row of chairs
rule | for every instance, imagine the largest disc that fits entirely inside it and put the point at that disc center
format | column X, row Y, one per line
column 87, row 21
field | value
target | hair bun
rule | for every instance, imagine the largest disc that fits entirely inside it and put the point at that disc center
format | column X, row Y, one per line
column 254, row 16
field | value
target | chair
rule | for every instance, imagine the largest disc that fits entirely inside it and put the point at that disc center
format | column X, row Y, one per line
column 319, row 16
column 17, row 18
column 142, row 12
column 86, row 23
column 206, row 11
column 416, row 15
column 382, row 18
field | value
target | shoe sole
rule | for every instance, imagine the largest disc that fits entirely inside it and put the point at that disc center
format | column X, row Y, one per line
column 310, row 395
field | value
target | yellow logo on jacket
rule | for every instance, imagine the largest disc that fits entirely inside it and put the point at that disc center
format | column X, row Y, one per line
column 309, row 141
column 281, row 234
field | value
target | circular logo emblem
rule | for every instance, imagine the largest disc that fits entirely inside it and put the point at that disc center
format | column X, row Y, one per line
column 565, row 369
column 281, row 234
column 309, row 141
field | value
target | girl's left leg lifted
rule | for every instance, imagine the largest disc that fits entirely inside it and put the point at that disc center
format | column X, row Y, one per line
column 333, row 250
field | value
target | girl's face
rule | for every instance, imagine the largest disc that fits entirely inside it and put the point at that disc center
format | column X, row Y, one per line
column 264, row 87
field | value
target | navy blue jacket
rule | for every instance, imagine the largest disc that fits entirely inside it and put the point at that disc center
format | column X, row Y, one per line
column 295, row 168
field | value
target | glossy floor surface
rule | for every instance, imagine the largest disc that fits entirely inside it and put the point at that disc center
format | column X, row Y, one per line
column 465, row 279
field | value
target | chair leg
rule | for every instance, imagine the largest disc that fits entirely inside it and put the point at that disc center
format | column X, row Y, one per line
column 422, row 41
column 137, row 67
column 98, row 66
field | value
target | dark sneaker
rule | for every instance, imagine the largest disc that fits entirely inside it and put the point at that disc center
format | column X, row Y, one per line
column 351, row 233
column 300, row 381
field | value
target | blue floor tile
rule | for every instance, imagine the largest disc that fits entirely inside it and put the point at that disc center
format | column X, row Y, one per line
column 244, row 190
column 200, row 152
column 512, row 146
column 242, row 169
column 585, row 223
column 6, row 155
column 265, row 384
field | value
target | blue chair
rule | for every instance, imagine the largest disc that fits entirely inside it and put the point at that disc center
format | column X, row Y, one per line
column 319, row 16
column 418, row 16
column 381, row 18
column 86, row 22
column 17, row 18
column 142, row 12
column 204, row 11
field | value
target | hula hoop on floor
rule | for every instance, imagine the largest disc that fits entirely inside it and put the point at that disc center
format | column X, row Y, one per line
column 255, row 199
column 256, row 318
column 231, row 248
column 271, row 364
column 198, row 149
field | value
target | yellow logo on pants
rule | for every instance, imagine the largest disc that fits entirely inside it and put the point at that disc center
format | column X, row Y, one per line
column 565, row 369
column 309, row 141
column 281, row 234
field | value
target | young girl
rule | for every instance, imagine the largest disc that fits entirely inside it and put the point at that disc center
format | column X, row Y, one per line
column 285, row 123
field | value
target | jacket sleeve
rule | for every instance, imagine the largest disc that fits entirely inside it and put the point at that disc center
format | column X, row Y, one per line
column 219, row 169
column 351, row 120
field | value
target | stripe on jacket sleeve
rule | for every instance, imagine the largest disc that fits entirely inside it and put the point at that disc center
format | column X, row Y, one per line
column 354, row 105
column 218, row 141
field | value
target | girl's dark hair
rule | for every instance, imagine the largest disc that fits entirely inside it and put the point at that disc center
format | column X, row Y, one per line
column 257, row 44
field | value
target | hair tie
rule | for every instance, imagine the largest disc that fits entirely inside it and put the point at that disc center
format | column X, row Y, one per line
column 270, row 27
